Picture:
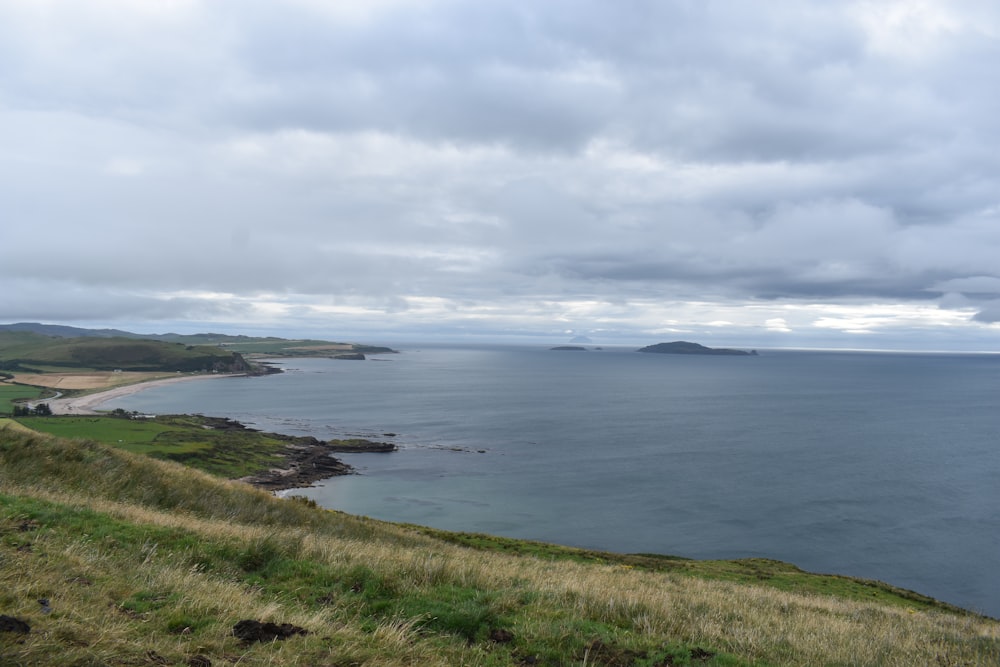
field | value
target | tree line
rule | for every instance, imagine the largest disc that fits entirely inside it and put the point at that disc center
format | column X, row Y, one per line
column 40, row 410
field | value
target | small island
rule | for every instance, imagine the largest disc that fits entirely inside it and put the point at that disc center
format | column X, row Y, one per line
column 685, row 347
column 569, row 348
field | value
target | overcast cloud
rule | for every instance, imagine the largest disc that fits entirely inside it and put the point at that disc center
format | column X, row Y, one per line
column 779, row 173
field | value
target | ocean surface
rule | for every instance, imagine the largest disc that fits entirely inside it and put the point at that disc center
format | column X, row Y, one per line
column 877, row 465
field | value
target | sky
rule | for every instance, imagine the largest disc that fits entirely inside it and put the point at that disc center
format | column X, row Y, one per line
column 761, row 174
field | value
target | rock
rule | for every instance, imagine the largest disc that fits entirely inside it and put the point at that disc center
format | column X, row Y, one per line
column 350, row 356
column 305, row 463
column 16, row 625
column 358, row 445
column 258, row 631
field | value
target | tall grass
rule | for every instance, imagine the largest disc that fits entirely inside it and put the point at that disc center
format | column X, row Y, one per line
column 146, row 562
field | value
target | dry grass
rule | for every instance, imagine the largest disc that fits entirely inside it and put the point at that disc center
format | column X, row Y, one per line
column 6, row 423
column 140, row 598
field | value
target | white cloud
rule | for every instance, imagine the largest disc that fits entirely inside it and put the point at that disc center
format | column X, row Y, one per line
column 777, row 324
column 123, row 166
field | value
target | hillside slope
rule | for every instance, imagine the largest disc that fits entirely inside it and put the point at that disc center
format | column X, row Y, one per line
column 269, row 345
column 31, row 351
column 112, row 558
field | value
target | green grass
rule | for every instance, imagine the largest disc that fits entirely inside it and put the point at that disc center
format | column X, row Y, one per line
column 12, row 392
column 452, row 620
column 191, row 439
column 111, row 430
column 148, row 562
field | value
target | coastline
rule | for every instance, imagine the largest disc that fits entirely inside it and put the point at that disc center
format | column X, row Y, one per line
column 87, row 404
column 305, row 460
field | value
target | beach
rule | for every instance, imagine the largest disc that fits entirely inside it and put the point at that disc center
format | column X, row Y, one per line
column 88, row 404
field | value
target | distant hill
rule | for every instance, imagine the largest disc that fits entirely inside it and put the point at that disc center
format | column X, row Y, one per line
column 35, row 352
column 61, row 331
column 267, row 345
column 685, row 347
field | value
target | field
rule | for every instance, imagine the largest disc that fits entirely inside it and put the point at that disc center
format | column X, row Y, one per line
column 86, row 380
column 113, row 558
column 12, row 392
column 212, row 445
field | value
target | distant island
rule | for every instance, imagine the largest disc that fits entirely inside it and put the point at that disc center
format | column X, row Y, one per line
column 569, row 348
column 684, row 347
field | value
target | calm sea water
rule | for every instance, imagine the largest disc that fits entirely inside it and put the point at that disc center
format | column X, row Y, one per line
column 885, row 466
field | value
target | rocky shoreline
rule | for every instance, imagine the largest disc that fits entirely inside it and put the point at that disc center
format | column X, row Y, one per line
column 309, row 460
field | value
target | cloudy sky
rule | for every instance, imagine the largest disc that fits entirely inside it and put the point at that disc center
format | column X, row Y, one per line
column 759, row 173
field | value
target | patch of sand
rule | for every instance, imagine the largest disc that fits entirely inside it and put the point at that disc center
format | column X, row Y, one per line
column 87, row 405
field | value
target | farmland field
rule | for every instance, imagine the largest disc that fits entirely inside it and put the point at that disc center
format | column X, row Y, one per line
column 213, row 445
column 12, row 392
column 87, row 380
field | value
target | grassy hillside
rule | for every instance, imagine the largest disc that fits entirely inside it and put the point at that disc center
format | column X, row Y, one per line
column 112, row 558
column 269, row 345
column 30, row 351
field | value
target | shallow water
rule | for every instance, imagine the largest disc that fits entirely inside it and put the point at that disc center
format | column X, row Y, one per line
column 875, row 465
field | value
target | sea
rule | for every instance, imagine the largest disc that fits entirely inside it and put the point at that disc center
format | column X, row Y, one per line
column 878, row 465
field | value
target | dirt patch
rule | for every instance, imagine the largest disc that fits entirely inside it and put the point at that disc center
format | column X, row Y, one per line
column 256, row 631
column 15, row 625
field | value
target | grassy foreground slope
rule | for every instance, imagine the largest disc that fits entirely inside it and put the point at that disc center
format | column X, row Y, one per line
column 117, row 559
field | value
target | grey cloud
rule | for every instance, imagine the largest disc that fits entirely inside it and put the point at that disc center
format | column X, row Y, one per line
column 39, row 299
column 471, row 154
column 989, row 314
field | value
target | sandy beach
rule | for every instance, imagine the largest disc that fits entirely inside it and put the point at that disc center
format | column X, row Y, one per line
column 87, row 405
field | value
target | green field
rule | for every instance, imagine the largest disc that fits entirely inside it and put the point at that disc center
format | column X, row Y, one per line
column 212, row 445
column 12, row 392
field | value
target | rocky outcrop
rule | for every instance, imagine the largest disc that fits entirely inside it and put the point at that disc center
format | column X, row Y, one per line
column 306, row 461
column 350, row 356
column 359, row 446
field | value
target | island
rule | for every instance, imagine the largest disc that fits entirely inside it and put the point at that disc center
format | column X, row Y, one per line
column 568, row 348
column 685, row 347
